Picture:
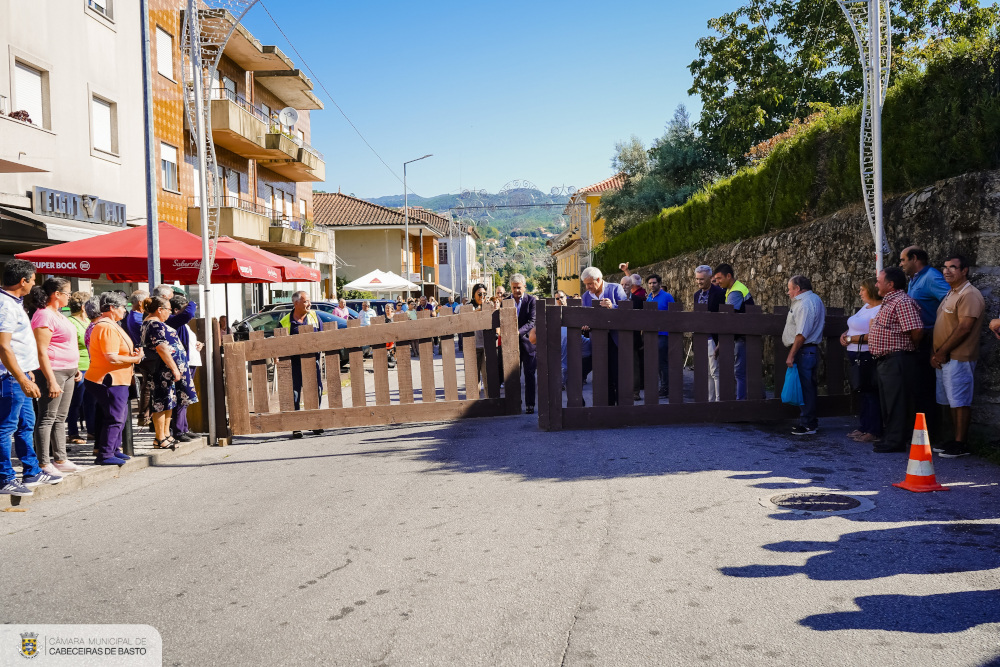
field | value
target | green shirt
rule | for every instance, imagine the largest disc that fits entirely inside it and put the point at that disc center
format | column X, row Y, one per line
column 81, row 329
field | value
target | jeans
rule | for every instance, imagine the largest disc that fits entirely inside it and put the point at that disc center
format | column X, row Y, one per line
column 807, row 362
column 112, row 406
column 50, row 422
column 17, row 420
column 663, row 348
column 297, row 381
column 869, row 409
column 741, row 369
column 713, row 372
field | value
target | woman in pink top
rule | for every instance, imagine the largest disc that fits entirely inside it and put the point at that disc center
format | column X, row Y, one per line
column 59, row 357
column 340, row 310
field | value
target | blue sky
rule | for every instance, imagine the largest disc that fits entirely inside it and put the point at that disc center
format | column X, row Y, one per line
column 496, row 91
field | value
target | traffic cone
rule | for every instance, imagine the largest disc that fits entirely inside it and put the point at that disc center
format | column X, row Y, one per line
column 920, row 470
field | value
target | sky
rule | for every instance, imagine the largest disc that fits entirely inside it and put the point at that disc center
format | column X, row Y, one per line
column 497, row 92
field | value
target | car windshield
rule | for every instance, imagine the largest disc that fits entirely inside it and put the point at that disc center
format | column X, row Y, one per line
column 267, row 321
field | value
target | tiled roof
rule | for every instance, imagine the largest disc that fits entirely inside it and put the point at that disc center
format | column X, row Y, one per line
column 339, row 210
column 614, row 183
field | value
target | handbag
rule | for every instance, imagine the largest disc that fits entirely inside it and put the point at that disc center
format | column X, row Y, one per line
column 861, row 373
column 791, row 393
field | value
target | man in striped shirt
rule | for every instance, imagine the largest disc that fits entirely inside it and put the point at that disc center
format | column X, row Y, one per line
column 892, row 339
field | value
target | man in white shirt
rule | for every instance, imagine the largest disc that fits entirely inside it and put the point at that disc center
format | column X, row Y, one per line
column 803, row 333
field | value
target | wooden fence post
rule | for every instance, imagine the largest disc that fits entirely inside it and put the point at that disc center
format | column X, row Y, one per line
column 542, row 353
column 511, row 351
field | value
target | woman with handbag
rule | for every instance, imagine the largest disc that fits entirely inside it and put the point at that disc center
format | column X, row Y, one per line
column 862, row 369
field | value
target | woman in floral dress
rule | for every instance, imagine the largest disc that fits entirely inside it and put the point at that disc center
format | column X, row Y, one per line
column 170, row 383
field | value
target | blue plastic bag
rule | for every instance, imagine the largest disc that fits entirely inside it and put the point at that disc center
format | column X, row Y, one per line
column 791, row 393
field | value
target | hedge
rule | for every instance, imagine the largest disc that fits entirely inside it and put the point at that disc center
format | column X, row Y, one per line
column 939, row 123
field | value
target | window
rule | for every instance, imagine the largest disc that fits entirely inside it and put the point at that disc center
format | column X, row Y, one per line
column 164, row 53
column 266, row 194
column 266, row 110
column 230, row 86
column 28, row 95
column 102, row 119
column 168, row 167
column 101, row 7
column 289, row 205
column 442, row 252
column 302, row 208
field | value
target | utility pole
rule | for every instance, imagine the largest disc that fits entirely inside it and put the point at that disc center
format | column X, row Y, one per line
column 152, row 218
column 205, row 275
column 406, row 217
column 875, row 58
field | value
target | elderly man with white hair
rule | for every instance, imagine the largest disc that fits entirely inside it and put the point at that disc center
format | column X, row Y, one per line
column 605, row 295
column 713, row 296
column 303, row 315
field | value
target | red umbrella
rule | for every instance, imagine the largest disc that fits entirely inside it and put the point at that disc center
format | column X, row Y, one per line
column 122, row 256
column 291, row 271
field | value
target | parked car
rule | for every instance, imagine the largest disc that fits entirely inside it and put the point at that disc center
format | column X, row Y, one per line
column 378, row 305
column 324, row 306
column 269, row 320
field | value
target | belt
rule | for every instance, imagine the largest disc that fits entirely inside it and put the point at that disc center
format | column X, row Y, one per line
column 809, row 345
column 889, row 355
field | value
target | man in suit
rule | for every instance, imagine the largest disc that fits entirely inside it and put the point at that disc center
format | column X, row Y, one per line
column 525, row 305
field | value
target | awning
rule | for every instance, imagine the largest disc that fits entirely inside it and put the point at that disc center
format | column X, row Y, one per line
column 121, row 256
column 291, row 271
column 380, row 281
column 11, row 167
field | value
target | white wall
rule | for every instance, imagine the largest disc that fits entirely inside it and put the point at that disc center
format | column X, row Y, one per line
column 84, row 55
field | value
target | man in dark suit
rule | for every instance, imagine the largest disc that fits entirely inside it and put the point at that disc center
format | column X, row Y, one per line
column 525, row 305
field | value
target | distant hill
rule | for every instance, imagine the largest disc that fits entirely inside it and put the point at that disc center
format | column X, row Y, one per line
column 519, row 209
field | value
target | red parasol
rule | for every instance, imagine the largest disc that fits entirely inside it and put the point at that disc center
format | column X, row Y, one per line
column 122, row 256
column 291, row 271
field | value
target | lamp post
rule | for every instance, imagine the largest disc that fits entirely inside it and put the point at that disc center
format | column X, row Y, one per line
column 406, row 215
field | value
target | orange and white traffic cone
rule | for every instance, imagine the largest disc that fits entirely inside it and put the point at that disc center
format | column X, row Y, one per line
column 920, row 469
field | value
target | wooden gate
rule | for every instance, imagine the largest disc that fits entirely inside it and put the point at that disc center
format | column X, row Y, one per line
column 559, row 408
column 257, row 405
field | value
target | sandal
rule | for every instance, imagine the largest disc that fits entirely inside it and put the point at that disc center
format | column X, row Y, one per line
column 77, row 441
column 159, row 444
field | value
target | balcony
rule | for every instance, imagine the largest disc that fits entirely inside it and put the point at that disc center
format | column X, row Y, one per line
column 291, row 87
column 300, row 162
column 238, row 126
column 258, row 225
column 243, row 48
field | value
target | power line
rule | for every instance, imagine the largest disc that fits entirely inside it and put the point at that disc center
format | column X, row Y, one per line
column 320, row 82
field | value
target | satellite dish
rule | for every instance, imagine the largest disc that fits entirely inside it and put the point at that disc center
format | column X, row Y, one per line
column 288, row 116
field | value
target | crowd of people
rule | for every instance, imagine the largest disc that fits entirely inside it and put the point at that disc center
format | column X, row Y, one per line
column 61, row 372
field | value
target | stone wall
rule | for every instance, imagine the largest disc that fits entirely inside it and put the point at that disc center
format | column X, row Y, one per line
column 959, row 214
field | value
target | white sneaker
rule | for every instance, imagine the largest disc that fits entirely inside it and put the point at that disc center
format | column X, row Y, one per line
column 66, row 466
column 50, row 469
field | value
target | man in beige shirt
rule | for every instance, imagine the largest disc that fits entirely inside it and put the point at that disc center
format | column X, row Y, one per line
column 956, row 350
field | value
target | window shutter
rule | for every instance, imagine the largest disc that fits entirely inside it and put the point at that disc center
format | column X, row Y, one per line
column 101, row 112
column 28, row 93
column 164, row 53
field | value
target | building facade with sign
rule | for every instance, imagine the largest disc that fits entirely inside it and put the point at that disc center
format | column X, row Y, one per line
column 71, row 124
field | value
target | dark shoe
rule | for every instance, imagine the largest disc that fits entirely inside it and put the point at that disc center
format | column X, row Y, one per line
column 803, row 430
column 955, row 450
column 888, row 450
column 317, row 431
column 939, row 449
column 182, row 437
column 122, row 455
column 167, row 443
column 296, row 435
column 15, row 488
column 530, row 410
column 636, row 396
column 113, row 461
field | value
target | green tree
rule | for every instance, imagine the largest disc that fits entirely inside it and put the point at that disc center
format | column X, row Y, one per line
column 630, row 157
column 770, row 57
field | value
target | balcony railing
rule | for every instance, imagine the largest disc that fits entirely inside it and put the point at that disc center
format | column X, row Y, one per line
column 3, row 105
column 296, row 223
column 277, row 218
column 241, row 102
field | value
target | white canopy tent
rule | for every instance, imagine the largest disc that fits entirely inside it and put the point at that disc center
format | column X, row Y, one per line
column 381, row 281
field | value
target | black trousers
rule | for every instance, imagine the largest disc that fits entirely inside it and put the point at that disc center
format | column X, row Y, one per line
column 896, row 388
column 613, row 370
column 529, row 362
column 925, row 386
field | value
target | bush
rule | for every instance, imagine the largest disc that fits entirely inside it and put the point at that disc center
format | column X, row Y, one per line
column 936, row 124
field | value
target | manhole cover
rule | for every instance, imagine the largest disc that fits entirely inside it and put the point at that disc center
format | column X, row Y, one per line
column 819, row 503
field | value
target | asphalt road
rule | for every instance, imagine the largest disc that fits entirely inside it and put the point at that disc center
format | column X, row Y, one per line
column 489, row 542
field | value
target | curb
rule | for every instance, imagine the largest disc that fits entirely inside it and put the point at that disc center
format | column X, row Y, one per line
column 93, row 475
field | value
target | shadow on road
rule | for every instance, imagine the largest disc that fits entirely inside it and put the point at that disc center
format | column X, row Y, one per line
column 942, row 613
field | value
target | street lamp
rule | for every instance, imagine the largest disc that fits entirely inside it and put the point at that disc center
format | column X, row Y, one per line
column 406, row 215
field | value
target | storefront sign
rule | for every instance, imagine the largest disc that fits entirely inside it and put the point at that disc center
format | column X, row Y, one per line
column 85, row 208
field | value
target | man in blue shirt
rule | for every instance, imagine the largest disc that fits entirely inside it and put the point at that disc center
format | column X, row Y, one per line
column 661, row 297
column 604, row 295
column 132, row 322
column 927, row 287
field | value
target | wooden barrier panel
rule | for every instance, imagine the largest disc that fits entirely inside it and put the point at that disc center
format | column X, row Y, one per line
column 253, row 411
column 611, row 334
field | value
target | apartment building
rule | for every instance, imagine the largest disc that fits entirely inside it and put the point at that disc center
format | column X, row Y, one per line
column 71, row 134
column 458, row 266
column 267, row 167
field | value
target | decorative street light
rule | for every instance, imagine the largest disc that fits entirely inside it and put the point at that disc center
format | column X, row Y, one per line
column 406, row 215
column 870, row 22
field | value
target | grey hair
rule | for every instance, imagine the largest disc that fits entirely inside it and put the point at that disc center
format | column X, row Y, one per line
column 636, row 279
column 518, row 278
column 166, row 291
column 140, row 295
column 591, row 272
column 111, row 300
column 802, row 283
column 704, row 268
column 297, row 296
column 92, row 307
